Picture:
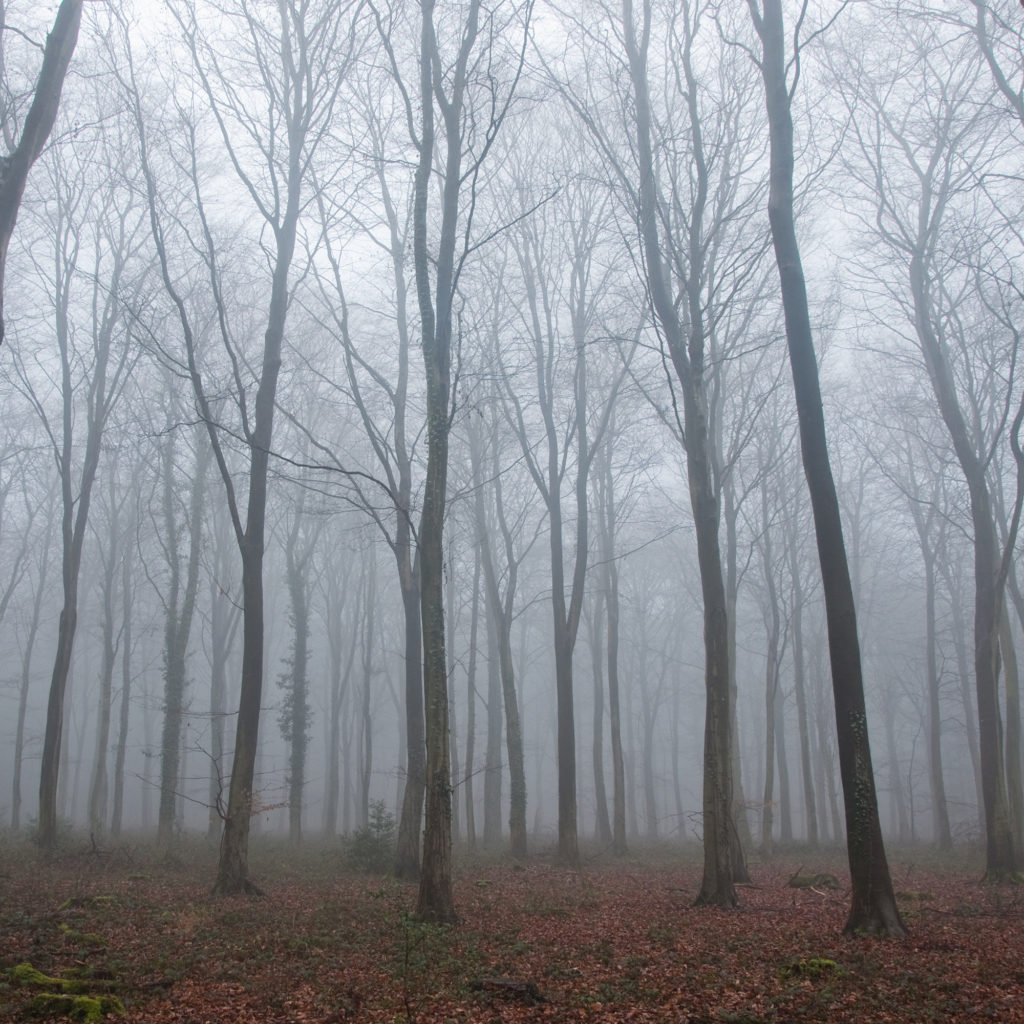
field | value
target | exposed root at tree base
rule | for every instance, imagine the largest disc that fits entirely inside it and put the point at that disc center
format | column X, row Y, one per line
column 244, row 887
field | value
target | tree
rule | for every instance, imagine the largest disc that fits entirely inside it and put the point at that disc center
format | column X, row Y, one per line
column 296, row 714
column 36, row 127
column 565, row 285
column 921, row 153
column 469, row 125
column 299, row 54
column 873, row 903
column 501, row 567
column 93, row 365
column 39, row 572
column 179, row 600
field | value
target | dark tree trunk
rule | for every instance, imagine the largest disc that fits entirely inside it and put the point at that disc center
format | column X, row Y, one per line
column 873, row 902
column 39, row 121
column 407, row 853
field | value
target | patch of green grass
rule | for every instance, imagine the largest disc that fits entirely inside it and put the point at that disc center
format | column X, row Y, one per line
column 87, row 1009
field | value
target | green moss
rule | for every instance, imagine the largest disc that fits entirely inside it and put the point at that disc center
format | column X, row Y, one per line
column 87, row 1009
column 811, row 967
column 29, row 976
column 82, row 938
column 26, row 974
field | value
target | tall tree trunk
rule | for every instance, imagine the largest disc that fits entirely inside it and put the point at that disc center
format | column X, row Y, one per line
column 602, row 824
column 124, row 718
column 740, row 836
column 26, row 670
column 365, row 710
column 800, row 690
column 492, row 768
column 180, row 604
column 1014, row 787
column 474, row 629
column 99, row 783
column 407, row 850
column 686, row 348
column 940, row 810
column 873, row 902
column 453, row 726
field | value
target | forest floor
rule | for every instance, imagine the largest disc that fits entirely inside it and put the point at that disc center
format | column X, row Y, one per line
column 617, row 941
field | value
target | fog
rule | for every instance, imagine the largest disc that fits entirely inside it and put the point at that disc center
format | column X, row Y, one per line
column 286, row 358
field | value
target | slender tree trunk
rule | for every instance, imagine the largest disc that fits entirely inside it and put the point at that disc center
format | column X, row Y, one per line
column 127, row 606
column 492, row 771
column 365, row 713
column 873, row 902
column 800, row 690
column 407, row 853
column 492, row 694
column 1013, row 742
column 453, row 727
column 940, row 810
column 740, row 837
column 771, row 720
column 180, row 602
column 687, row 351
column 603, row 824
column 26, row 676
column 99, row 784
column 781, row 753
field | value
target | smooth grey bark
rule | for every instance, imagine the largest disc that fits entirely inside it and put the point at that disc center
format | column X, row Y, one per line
column 500, row 614
column 684, row 330
column 341, row 649
column 225, row 615
column 607, row 521
column 110, row 580
column 873, row 903
column 366, row 626
column 453, row 726
column 493, row 693
column 179, row 610
column 800, row 683
column 595, row 635
column 295, row 716
column 125, row 702
column 28, row 645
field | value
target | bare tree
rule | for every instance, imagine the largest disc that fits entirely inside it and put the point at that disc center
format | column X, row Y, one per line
column 84, row 219
column 921, row 153
column 873, row 902
column 299, row 54
column 446, row 92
